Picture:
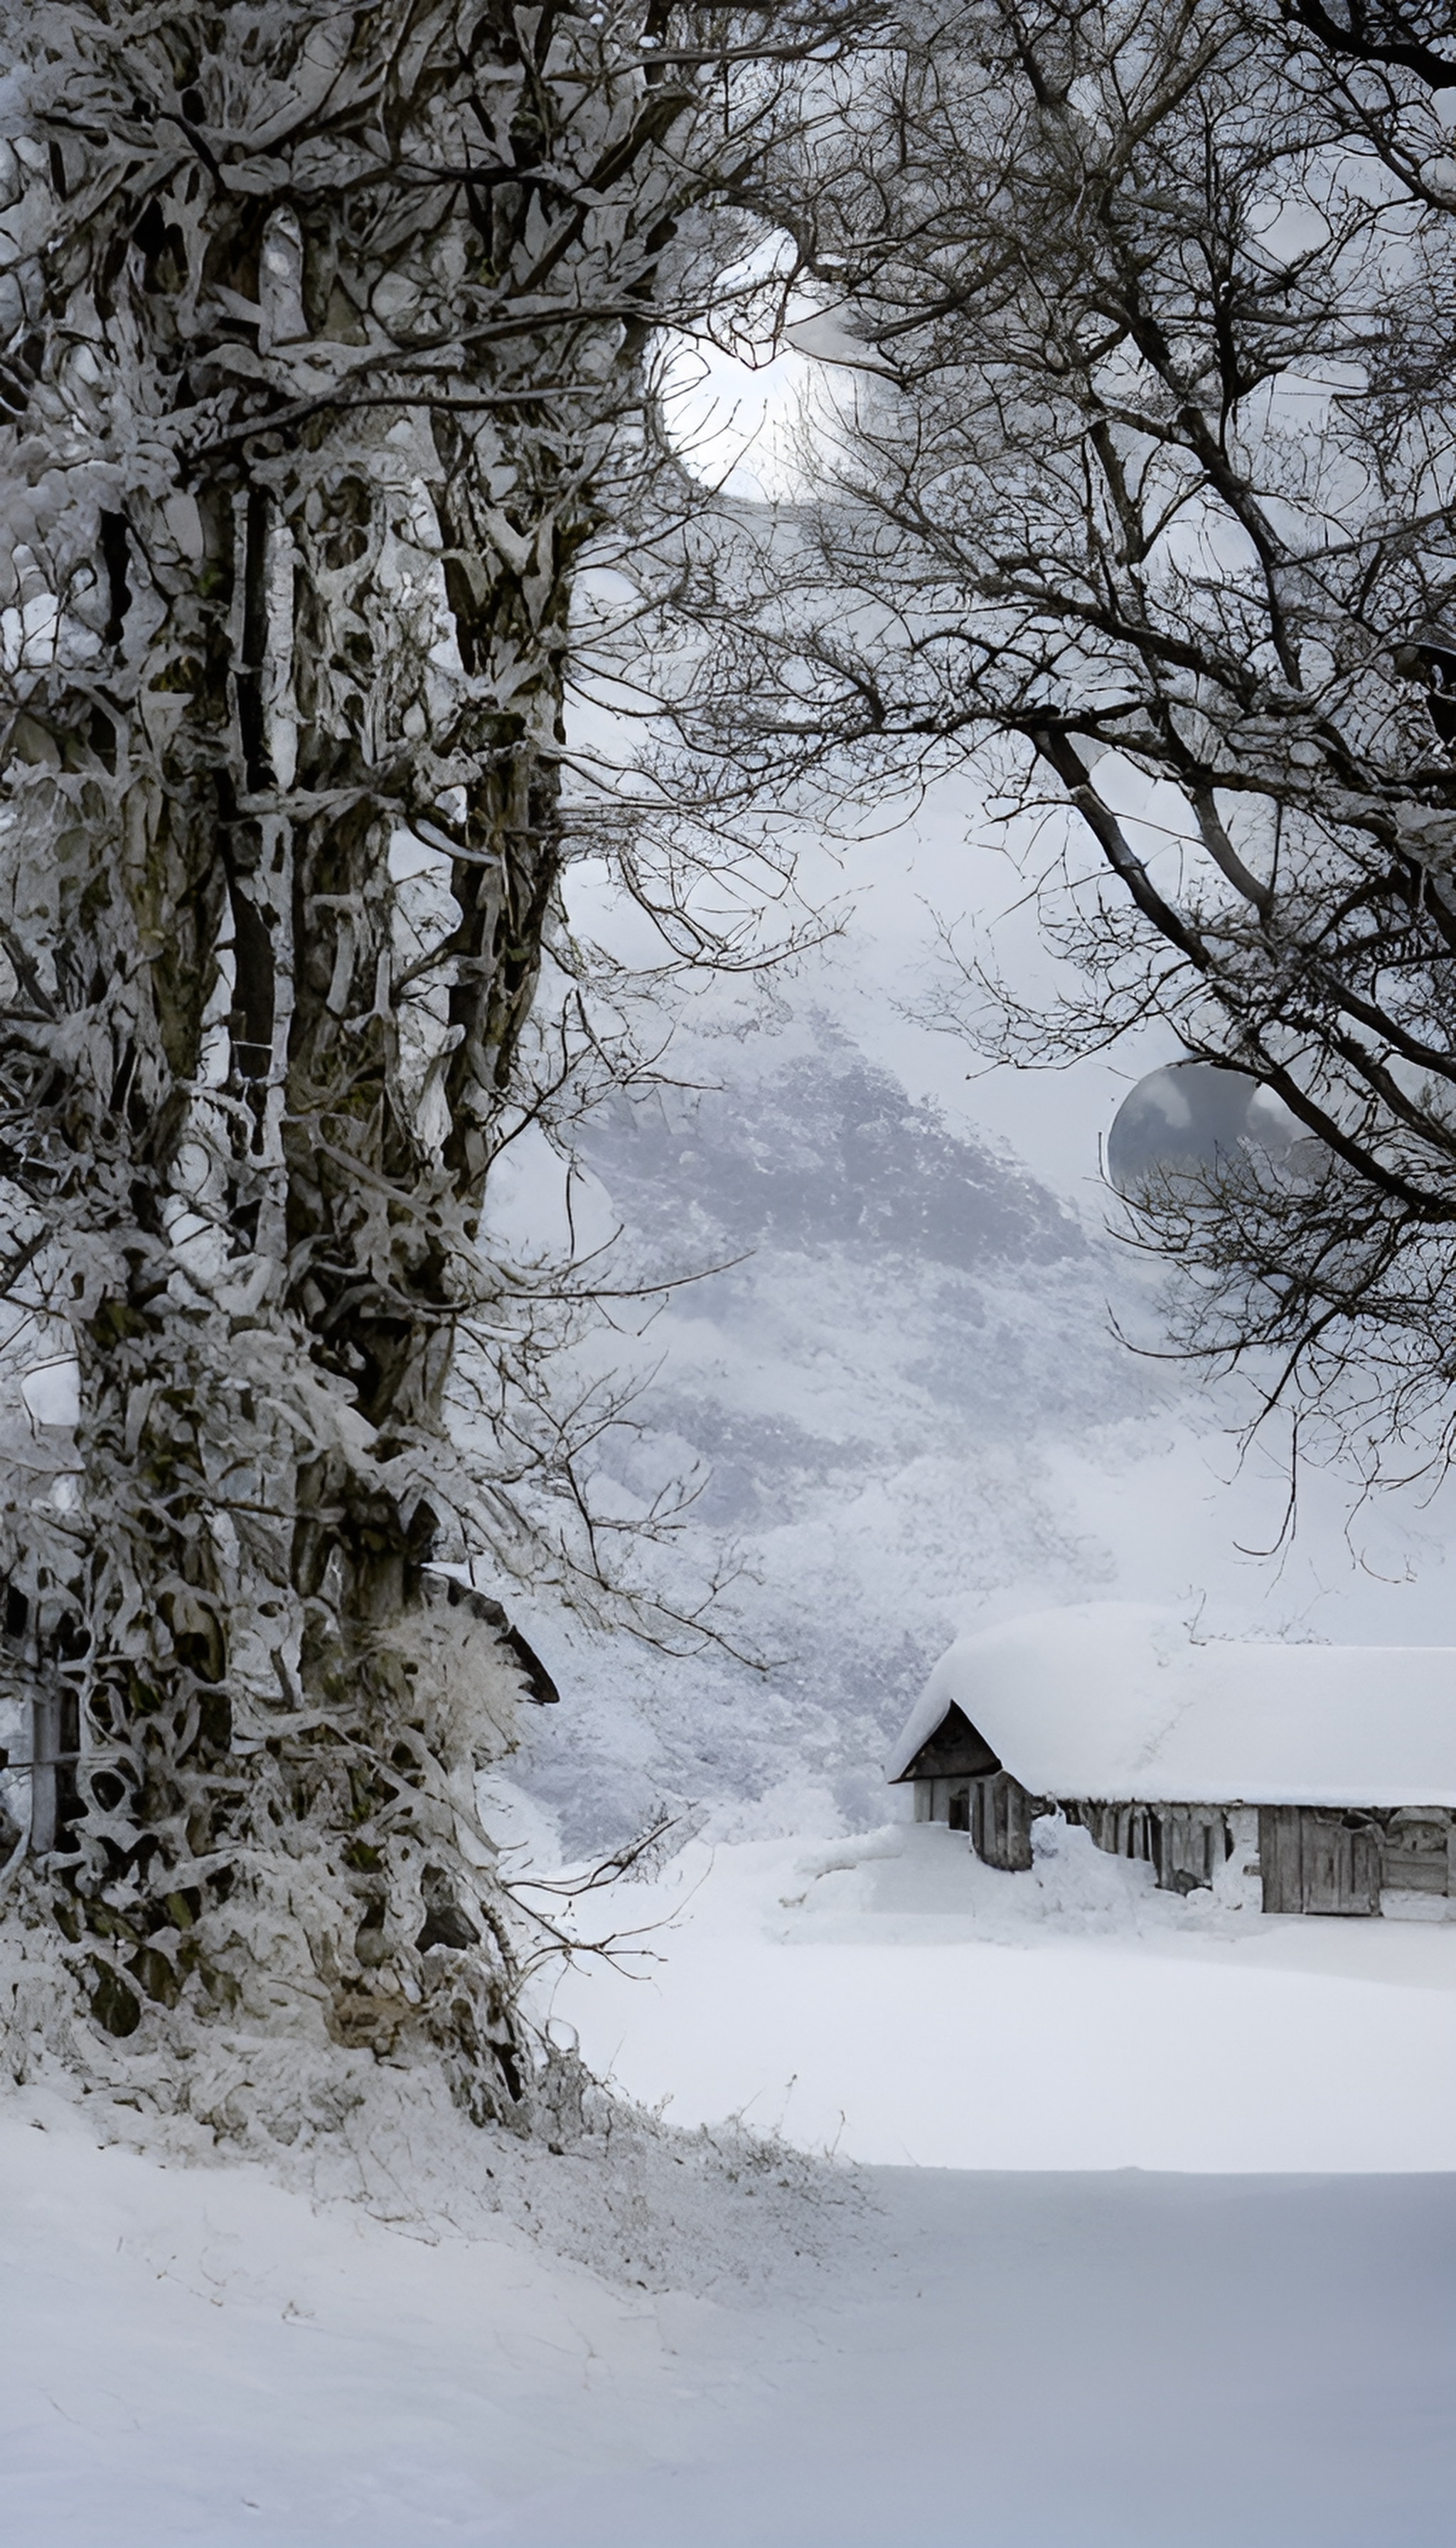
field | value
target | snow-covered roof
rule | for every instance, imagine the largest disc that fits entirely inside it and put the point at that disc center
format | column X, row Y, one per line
column 1117, row 1701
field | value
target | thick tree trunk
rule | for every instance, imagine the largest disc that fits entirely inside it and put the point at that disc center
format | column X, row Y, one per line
column 328, row 318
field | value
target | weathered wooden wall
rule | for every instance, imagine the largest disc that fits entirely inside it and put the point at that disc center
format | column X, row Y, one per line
column 1001, row 1818
column 1312, row 1859
column 1315, row 1859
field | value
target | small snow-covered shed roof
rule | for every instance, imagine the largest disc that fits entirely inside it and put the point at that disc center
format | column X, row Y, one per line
column 1116, row 1701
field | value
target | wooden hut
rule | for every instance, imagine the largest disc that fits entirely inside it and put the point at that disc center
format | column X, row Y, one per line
column 1330, row 1771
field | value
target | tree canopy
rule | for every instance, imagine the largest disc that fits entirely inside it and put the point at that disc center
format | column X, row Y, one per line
column 1143, row 504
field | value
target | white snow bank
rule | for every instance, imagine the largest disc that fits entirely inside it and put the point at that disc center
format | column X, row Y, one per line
column 893, row 1999
column 197, row 2355
column 1115, row 1700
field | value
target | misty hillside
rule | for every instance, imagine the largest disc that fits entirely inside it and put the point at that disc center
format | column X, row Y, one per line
column 820, row 1147
column 908, row 1333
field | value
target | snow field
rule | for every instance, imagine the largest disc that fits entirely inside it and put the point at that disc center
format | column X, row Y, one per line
column 401, row 2332
column 1026, row 2361
column 890, row 1998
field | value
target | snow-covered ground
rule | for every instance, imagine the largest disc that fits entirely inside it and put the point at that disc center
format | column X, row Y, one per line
column 1177, row 2237
column 892, row 2000
column 1031, row 2361
column 1175, row 2256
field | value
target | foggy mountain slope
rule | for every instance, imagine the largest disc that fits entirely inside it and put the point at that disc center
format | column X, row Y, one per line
column 816, row 1145
column 879, row 1387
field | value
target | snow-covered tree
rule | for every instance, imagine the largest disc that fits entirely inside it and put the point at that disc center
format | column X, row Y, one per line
column 1145, row 503
column 325, row 329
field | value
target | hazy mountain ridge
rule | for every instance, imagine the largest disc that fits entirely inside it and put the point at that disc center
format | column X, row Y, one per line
column 875, row 1387
column 824, row 1148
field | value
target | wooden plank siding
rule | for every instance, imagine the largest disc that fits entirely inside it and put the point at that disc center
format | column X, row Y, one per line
column 1418, row 1854
column 1124, row 1831
column 1186, row 1844
column 954, row 1750
column 1190, row 1845
column 1312, row 1859
column 1001, row 1818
